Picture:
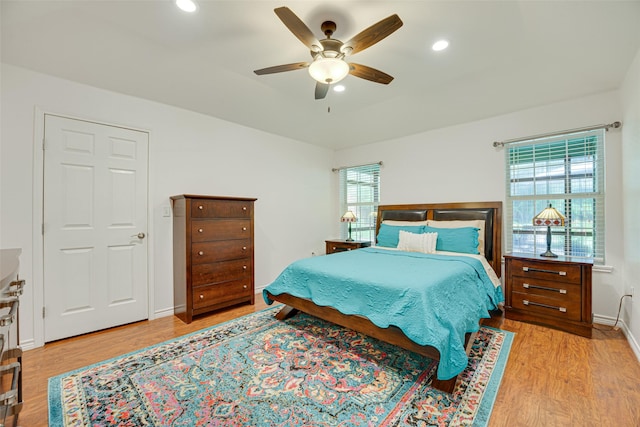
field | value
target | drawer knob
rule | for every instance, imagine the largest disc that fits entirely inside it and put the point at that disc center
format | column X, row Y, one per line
column 200, row 230
column 244, row 208
column 334, row 248
column 244, row 248
column 244, row 267
column 244, row 228
column 201, row 253
column 200, row 207
column 201, row 296
column 244, row 286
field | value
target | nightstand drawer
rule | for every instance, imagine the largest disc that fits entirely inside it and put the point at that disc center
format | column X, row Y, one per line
column 340, row 247
column 560, row 272
column 547, row 306
column 334, row 246
column 558, row 290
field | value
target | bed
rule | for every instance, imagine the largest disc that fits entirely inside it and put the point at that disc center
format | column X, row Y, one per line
column 400, row 292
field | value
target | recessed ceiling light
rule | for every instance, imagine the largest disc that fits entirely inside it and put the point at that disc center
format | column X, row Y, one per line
column 338, row 88
column 440, row 45
column 186, row 5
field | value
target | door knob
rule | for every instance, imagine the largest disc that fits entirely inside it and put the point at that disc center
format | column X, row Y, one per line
column 140, row 235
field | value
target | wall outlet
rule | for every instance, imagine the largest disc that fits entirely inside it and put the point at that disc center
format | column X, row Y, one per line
column 166, row 211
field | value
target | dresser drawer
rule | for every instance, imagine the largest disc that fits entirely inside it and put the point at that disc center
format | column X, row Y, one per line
column 207, row 252
column 202, row 208
column 203, row 274
column 568, row 273
column 547, row 306
column 205, row 296
column 224, row 229
column 558, row 290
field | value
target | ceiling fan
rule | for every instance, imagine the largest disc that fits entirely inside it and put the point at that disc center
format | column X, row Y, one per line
column 328, row 65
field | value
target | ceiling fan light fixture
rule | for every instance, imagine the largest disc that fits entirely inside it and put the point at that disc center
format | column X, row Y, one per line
column 440, row 45
column 328, row 70
column 186, row 5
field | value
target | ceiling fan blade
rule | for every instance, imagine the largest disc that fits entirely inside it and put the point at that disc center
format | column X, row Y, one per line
column 298, row 28
column 321, row 90
column 369, row 73
column 372, row 35
column 282, row 68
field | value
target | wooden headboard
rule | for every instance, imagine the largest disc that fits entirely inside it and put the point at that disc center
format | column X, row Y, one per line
column 490, row 212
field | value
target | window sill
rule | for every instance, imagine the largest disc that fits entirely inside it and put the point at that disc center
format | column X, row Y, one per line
column 602, row 268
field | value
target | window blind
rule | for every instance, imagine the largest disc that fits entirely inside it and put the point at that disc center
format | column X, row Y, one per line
column 566, row 171
column 360, row 193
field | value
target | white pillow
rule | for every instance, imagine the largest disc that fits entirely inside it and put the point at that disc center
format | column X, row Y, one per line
column 477, row 223
column 413, row 242
column 404, row 223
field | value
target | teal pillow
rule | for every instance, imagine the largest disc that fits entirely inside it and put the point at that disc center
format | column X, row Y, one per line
column 462, row 240
column 388, row 235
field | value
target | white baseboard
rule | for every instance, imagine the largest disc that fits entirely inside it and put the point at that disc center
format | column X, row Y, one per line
column 163, row 313
column 27, row 345
column 610, row 321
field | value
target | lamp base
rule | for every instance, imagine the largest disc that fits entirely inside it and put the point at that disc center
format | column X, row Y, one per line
column 349, row 240
column 549, row 254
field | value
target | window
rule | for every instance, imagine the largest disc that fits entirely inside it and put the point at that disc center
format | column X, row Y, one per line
column 360, row 193
column 566, row 171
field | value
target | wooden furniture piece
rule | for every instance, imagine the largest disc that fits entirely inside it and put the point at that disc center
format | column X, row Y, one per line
column 212, row 253
column 490, row 212
column 554, row 292
column 334, row 246
column 10, row 352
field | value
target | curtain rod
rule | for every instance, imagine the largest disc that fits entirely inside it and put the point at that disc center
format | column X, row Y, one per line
column 355, row 166
column 615, row 125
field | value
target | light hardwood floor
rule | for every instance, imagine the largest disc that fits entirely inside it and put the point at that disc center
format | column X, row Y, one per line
column 552, row 378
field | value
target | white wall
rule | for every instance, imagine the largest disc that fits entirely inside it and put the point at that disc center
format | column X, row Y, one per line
column 630, row 96
column 188, row 153
column 459, row 163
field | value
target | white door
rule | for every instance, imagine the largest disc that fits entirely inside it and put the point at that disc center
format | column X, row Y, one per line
column 95, row 225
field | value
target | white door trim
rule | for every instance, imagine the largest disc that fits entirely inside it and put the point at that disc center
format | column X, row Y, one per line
column 37, row 220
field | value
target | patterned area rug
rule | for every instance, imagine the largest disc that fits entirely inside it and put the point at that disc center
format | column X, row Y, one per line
column 258, row 371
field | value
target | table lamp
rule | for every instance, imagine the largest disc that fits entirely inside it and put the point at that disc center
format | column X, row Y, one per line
column 349, row 217
column 549, row 217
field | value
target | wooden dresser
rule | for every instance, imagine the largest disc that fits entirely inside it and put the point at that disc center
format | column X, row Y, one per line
column 554, row 292
column 212, row 253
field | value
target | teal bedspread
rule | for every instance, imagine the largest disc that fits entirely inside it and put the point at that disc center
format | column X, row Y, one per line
column 434, row 299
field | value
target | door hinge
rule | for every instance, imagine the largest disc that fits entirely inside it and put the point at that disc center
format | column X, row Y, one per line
column 44, row 142
column 43, row 312
column 43, row 228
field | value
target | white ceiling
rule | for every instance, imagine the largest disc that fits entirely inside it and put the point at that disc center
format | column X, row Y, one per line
column 504, row 56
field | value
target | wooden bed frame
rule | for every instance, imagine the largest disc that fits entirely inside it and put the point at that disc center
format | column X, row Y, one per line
column 490, row 212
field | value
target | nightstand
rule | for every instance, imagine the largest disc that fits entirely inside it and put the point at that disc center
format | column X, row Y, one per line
column 553, row 292
column 334, row 246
